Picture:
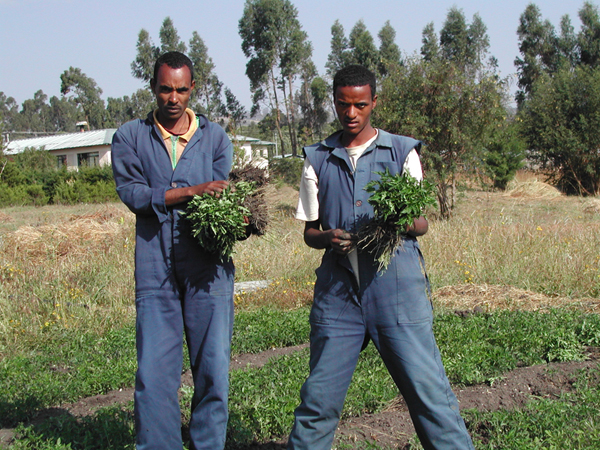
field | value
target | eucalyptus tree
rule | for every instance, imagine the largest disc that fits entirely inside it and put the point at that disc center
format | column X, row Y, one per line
column 142, row 67
column 169, row 38
column 362, row 47
column 538, row 48
column 206, row 98
column 339, row 56
column 450, row 97
column 559, row 77
column 234, row 110
column 389, row 52
column 431, row 48
column 85, row 93
column 277, row 47
column 589, row 36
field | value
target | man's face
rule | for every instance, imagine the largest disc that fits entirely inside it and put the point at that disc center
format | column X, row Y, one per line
column 172, row 89
column 353, row 105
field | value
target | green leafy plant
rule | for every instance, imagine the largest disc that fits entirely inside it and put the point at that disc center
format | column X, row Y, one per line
column 397, row 201
column 219, row 222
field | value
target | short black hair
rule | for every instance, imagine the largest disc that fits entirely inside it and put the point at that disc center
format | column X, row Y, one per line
column 355, row 75
column 175, row 60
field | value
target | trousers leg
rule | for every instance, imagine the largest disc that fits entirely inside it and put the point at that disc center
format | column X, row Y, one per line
column 159, row 339
column 413, row 359
column 209, row 327
column 334, row 349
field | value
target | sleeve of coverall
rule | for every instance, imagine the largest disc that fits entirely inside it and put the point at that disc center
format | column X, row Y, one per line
column 132, row 187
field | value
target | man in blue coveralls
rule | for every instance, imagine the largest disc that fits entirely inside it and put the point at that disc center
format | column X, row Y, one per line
column 353, row 302
column 159, row 164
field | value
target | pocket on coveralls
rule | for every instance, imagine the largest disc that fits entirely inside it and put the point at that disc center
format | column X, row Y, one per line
column 414, row 303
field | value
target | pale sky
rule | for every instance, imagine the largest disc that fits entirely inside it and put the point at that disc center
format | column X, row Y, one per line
column 40, row 39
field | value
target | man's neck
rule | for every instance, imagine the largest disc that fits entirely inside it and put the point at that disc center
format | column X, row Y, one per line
column 178, row 127
column 351, row 140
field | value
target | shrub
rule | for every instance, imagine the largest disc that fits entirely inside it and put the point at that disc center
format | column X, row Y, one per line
column 287, row 170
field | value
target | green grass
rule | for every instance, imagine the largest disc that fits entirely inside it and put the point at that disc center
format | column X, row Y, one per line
column 67, row 315
column 69, row 366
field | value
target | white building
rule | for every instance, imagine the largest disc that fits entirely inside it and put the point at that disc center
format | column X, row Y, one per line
column 92, row 148
column 73, row 150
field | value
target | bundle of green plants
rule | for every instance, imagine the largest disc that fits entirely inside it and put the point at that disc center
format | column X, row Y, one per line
column 254, row 202
column 397, row 201
column 219, row 222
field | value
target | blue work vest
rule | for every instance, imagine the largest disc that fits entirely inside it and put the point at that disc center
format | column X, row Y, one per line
column 343, row 202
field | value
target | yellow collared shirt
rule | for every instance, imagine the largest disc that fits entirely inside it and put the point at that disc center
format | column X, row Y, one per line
column 174, row 144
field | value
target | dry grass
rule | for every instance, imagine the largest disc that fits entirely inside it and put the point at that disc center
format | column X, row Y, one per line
column 488, row 298
column 527, row 248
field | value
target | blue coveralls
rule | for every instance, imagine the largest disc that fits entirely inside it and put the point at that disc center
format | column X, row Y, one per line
column 392, row 309
column 179, row 288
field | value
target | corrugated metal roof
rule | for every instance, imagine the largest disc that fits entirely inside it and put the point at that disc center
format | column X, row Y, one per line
column 249, row 140
column 63, row 141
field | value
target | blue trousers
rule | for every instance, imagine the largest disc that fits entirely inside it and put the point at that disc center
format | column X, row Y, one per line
column 394, row 311
column 162, row 318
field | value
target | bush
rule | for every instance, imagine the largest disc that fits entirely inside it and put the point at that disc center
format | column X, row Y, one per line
column 505, row 156
column 287, row 170
column 13, row 196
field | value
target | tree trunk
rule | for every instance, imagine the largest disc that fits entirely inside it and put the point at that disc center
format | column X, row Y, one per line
column 293, row 129
column 277, row 114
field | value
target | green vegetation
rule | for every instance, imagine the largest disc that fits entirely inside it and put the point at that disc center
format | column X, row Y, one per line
column 31, row 178
column 67, row 319
column 217, row 222
column 397, row 201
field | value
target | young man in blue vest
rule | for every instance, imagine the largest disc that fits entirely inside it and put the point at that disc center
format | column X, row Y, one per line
column 353, row 302
column 159, row 164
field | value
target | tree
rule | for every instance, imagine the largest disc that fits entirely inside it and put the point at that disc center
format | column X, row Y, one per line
column 339, row 56
column 464, row 44
column 63, row 113
column 430, row 49
column 589, row 36
column 142, row 67
column 169, row 38
column 35, row 114
column 451, row 111
column 206, row 98
column 85, row 93
column 362, row 47
column 505, row 154
column 235, row 111
column 313, row 100
column 9, row 109
column 124, row 109
column 389, row 52
column 277, row 47
column 561, row 123
column 537, row 44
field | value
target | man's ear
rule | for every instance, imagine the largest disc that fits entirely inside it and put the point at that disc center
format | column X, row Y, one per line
column 152, row 84
column 374, row 101
column 193, row 85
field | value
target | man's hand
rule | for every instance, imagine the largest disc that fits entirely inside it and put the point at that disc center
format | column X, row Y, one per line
column 339, row 240
column 211, row 188
column 184, row 194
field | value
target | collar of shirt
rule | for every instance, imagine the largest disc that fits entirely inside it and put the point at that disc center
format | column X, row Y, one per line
column 190, row 132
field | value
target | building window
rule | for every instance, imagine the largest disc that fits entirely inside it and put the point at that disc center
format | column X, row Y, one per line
column 61, row 161
column 88, row 159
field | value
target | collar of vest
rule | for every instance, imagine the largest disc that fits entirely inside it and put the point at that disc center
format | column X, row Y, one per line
column 384, row 139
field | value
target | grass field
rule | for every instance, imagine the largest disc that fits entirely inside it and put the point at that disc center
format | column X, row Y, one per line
column 528, row 261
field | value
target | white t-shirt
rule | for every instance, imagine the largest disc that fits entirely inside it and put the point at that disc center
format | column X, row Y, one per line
column 308, row 201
